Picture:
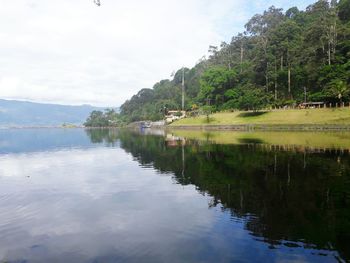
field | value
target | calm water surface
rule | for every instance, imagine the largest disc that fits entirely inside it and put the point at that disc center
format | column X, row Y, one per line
column 121, row 196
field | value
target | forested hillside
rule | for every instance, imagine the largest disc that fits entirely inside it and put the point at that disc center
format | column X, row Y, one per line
column 282, row 58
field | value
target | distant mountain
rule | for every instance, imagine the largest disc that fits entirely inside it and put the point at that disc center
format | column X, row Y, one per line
column 29, row 114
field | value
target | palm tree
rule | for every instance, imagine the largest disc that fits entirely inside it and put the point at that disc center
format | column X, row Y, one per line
column 339, row 89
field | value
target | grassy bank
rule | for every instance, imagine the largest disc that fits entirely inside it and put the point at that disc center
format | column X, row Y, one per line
column 339, row 116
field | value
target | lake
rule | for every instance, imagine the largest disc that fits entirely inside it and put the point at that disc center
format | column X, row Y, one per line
column 75, row 195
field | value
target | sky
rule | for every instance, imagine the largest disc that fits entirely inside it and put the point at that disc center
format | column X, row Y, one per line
column 74, row 52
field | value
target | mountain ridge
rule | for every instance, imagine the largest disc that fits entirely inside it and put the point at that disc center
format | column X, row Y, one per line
column 14, row 113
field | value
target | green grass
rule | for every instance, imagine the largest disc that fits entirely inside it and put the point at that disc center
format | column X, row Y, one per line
column 307, row 116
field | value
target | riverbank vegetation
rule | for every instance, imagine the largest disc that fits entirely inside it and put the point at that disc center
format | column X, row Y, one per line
column 283, row 58
column 106, row 118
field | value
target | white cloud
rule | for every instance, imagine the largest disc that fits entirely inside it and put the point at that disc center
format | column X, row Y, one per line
column 74, row 52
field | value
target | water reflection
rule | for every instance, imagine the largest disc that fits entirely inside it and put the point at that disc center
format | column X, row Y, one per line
column 294, row 199
column 37, row 140
column 121, row 196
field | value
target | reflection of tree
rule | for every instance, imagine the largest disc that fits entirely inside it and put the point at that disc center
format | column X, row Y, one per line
column 278, row 194
column 108, row 136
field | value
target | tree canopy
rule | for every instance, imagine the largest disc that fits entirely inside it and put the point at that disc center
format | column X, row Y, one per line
column 108, row 118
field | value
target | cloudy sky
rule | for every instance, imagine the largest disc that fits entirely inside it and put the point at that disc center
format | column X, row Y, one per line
column 73, row 52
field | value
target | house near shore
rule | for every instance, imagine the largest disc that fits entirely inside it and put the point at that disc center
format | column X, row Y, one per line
column 311, row 105
column 173, row 115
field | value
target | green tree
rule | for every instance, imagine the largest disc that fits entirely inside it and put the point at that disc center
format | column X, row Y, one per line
column 214, row 83
column 338, row 89
column 108, row 118
column 253, row 98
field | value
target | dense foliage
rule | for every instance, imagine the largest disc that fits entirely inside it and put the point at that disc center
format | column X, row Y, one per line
column 108, row 118
column 281, row 58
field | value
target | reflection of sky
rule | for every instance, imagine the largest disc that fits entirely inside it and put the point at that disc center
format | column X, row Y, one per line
column 90, row 203
column 32, row 140
column 86, row 204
